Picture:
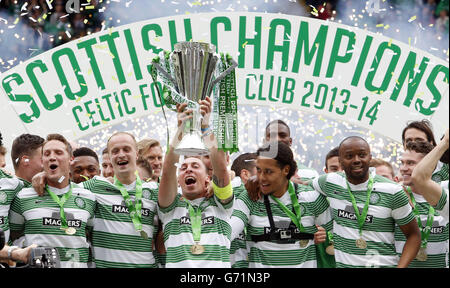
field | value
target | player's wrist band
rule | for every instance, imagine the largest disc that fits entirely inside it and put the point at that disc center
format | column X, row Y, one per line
column 224, row 192
column 206, row 132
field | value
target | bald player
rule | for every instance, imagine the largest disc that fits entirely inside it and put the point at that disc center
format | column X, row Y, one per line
column 365, row 210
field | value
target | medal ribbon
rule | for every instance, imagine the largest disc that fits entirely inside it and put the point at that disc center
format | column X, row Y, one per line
column 60, row 202
column 135, row 210
column 424, row 231
column 330, row 237
column 297, row 217
column 195, row 215
column 361, row 218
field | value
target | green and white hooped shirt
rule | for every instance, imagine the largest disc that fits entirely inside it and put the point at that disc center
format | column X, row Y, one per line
column 215, row 233
column 442, row 206
column 238, row 248
column 39, row 218
column 9, row 187
column 306, row 173
column 388, row 206
column 271, row 254
column 437, row 242
column 115, row 241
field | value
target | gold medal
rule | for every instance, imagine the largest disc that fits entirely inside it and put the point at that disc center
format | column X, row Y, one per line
column 422, row 254
column 361, row 243
column 144, row 234
column 197, row 249
column 330, row 250
column 70, row 231
column 303, row 243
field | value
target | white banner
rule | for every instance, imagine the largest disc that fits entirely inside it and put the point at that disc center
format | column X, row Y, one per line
column 288, row 61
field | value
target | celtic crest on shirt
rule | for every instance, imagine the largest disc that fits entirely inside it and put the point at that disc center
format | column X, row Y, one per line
column 80, row 202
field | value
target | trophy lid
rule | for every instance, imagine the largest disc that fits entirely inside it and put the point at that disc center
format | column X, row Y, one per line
column 210, row 48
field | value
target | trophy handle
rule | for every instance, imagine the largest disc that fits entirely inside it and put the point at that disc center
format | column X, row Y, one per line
column 165, row 74
column 224, row 73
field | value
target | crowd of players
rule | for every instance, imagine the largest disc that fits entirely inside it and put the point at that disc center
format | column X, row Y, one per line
column 141, row 207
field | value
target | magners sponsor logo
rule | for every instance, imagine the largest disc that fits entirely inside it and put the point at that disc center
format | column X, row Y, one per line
column 55, row 220
column 47, row 221
column 124, row 210
column 205, row 221
column 352, row 216
column 437, row 230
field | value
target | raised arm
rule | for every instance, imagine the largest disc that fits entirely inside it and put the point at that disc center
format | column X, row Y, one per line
column 168, row 185
column 421, row 176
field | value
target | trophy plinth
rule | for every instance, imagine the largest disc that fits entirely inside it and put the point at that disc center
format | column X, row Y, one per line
column 191, row 145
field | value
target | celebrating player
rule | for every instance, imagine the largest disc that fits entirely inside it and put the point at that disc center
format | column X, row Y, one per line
column 365, row 210
column 196, row 229
column 433, row 227
column 59, row 218
column 281, row 226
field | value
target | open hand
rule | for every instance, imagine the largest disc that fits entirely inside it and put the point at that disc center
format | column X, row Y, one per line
column 38, row 182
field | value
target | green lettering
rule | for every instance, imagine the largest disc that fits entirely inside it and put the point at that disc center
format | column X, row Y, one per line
column 6, row 83
column 100, row 110
column 109, row 38
column 270, row 90
column 144, row 96
column 111, row 110
column 116, row 97
column 362, row 60
column 303, row 42
column 146, row 39
column 90, row 113
column 284, row 48
column 408, row 70
column 37, row 86
column 77, row 119
column 133, row 55
column 289, row 86
column 335, row 57
column 124, row 100
column 87, row 46
column 247, row 87
column 155, row 94
column 173, row 31
column 56, row 58
column 244, row 42
column 434, row 91
column 376, row 62
column 214, row 23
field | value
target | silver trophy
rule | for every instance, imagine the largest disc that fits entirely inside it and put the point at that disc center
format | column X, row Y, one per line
column 192, row 77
